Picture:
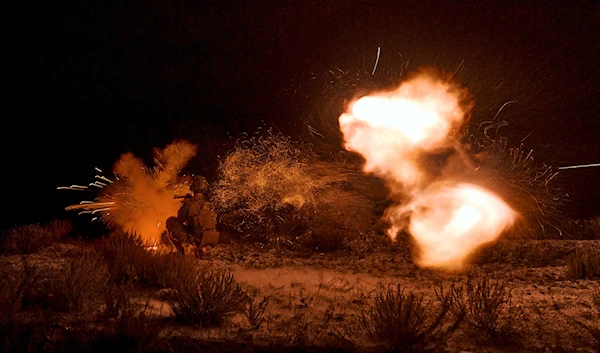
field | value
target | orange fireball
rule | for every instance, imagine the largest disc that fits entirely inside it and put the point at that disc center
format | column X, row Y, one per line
column 395, row 131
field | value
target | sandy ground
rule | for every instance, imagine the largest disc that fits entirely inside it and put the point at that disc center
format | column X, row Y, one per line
column 319, row 298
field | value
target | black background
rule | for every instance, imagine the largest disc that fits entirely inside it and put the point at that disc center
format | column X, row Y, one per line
column 88, row 81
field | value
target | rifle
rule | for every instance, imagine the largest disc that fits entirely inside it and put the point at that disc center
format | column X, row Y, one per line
column 181, row 196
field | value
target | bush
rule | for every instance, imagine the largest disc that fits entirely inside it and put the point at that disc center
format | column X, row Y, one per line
column 487, row 305
column 13, row 284
column 593, row 227
column 28, row 239
column 206, row 299
column 130, row 263
column 584, row 263
column 80, row 284
column 404, row 322
column 125, row 325
column 255, row 311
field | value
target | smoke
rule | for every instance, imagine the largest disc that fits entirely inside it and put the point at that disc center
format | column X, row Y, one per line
column 403, row 134
column 142, row 198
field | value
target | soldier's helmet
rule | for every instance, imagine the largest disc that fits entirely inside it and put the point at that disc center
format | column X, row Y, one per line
column 199, row 184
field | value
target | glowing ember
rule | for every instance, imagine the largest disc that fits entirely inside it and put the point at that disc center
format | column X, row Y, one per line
column 140, row 199
column 396, row 132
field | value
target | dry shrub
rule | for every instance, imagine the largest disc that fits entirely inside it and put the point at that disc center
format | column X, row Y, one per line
column 28, row 239
column 207, row 298
column 404, row 322
column 125, row 325
column 255, row 311
column 60, row 227
column 592, row 226
column 14, row 283
column 528, row 186
column 129, row 262
column 272, row 188
column 80, row 284
column 584, row 262
column 487, row 304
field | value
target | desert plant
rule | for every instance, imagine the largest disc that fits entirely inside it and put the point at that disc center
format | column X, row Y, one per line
column 255, row 311
column 125, row 325
column 30, row 238
column 13, row 284
column 60, row 227
column 487, row 304
column 207, row 298
column 405, row 322
column 584, row 262
column 593, row 226
column 81, row 283
column 130, row 262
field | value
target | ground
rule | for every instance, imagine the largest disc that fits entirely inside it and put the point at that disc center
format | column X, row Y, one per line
column 316, row 300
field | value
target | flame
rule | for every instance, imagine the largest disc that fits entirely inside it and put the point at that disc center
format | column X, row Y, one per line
column 396, row 132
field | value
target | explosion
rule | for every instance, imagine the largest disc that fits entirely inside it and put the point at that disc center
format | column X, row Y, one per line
column 400, row 134
column 140, row 199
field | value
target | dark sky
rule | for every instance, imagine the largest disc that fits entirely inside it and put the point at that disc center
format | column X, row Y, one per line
column 88, row 81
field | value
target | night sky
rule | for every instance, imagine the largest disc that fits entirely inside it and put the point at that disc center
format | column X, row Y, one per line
column 88, row 81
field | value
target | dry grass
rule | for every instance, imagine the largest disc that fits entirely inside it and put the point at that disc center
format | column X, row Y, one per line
column 28, row 239
column 13, row 285
column 487, row 304
column 593, row 224
column 130, row 263
column 255, row 311
column 80, row 284
column 584, row 262
column 404, row 322
column 206, row 299
column 125, row 325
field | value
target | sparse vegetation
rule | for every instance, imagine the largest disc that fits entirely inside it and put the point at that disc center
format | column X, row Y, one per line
column 405, row 322
column 13, row 284
column 255, row 311
column 79, row 284
column 129, row 262
column 488, row 306
column 28, row 239
column 126, row 325
column 584, row 262
column 206, row 298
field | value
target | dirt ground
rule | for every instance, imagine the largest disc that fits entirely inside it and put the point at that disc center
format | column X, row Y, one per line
column 317, row 299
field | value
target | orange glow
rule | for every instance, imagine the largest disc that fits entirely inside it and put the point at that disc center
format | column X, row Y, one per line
column 450, row 221
column 141, row 199
column 395, row 131
column 149, row 200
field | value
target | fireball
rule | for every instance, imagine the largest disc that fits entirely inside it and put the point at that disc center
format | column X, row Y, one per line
column 395, row 132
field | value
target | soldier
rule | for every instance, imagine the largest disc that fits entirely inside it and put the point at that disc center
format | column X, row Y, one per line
column 198, row 215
